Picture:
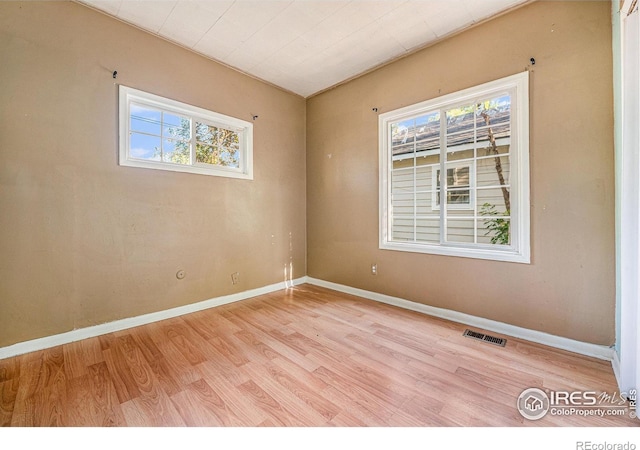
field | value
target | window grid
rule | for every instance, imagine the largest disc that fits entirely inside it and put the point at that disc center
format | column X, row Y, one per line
column 162, row 136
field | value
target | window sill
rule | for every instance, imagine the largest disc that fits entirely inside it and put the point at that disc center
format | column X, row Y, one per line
column 197, row 169
column 503, row 255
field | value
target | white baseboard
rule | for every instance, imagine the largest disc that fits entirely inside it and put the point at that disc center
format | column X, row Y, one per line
column 583, row 348
column 97, row 330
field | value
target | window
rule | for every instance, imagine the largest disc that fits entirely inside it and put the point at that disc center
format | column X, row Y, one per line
column 470, row 148
column 459, row 194
column 158, row 133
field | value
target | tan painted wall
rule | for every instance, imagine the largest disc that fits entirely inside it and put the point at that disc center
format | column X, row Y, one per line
column 84, row 241
column 568, row 290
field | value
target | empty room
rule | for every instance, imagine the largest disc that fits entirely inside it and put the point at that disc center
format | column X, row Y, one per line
column 300, row 213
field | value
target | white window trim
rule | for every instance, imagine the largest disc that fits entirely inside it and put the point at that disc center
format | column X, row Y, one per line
column 128, row 95
column 519, row 251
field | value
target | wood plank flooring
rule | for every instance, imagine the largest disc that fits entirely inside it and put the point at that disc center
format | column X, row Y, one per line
column 305, row 356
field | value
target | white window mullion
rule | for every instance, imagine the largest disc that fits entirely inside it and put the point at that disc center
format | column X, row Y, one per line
column 390, row 191
column 472, row 172
column 415, row 186
column 443, row 176
column 192, row 143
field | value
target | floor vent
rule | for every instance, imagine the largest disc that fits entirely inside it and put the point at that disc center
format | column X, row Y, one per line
column 485, row 337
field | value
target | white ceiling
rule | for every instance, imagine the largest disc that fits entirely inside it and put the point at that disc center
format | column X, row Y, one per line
column 303, row 46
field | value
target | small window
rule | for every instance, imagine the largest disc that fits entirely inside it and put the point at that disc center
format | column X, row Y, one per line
column 470, row 148
column 459, row 193
column 159, row 133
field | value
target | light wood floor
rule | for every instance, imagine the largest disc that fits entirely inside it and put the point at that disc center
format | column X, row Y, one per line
column 306, row 356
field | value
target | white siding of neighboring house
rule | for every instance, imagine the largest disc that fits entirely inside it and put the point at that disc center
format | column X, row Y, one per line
column 427, row 217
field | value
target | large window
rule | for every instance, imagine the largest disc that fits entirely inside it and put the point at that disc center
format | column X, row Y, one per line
column 159, row 133
column 454, row 174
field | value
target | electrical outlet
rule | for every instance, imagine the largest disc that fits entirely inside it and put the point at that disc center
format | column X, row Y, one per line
column 374, row 269
column 235, row 277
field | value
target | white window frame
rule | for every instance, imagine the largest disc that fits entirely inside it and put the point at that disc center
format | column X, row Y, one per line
column 519, row 249
column 244, row 129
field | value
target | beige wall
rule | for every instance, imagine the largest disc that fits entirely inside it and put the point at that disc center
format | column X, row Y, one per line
column 568, row 289
column 84, row 241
